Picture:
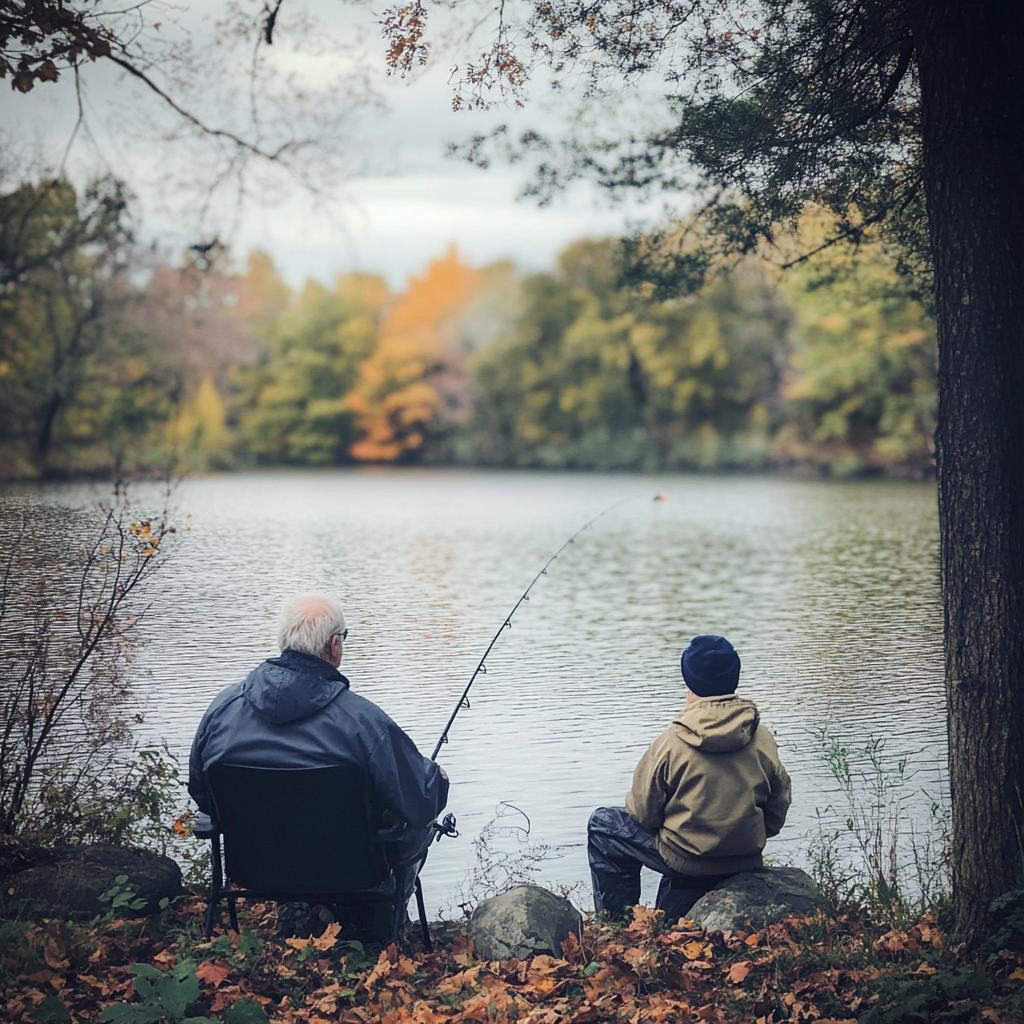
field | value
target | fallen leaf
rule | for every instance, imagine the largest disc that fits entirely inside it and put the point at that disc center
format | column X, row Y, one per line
column 1018, row 974
column 54, row 953
column 739, row 971
column 213, row 972
column 423, row 1014
column 696, row 950
column 572, row 950
column 645, row 921
column 545, row 964
column 224, row 997
column 328, row 939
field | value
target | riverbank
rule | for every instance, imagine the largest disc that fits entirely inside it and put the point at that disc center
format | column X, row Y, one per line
column 810, row 580
column 805, row 969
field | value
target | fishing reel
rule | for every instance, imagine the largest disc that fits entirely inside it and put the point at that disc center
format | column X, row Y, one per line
column 446, row 828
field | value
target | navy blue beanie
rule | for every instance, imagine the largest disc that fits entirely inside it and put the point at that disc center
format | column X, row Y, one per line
column 711, row 667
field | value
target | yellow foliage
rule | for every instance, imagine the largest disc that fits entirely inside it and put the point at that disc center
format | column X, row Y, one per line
column 199, row 431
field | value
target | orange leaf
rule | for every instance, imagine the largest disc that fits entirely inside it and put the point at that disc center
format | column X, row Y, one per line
column 213, row 972
column 645, row 921
column 224, row 997
column 545, row 964
column 1018, row 974
column 571, row 949
column 696, row 950
column 328, row 939
column 739, row 971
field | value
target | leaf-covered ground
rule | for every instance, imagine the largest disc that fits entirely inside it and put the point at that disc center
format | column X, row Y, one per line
column 820, row 970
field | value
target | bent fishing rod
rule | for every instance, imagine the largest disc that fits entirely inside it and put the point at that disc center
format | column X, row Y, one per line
column 507, row 624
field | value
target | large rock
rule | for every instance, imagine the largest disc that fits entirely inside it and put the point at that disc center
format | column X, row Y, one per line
column 522, row 923
column 754, row 899
column 74, row 878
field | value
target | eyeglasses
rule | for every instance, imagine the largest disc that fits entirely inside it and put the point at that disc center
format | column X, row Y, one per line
column 343, row 634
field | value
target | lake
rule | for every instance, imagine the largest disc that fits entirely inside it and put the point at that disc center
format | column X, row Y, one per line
column 829, row 590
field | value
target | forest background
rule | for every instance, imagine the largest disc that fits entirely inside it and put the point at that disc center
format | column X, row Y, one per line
column 115, row 358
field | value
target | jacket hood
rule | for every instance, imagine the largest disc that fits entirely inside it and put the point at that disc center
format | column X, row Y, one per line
column 718, row 724
column 292, row 687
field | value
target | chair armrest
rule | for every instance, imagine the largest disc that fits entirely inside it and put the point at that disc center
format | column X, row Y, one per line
column 205, row 827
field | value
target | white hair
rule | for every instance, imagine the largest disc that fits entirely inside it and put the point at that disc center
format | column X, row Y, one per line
column 308, row 623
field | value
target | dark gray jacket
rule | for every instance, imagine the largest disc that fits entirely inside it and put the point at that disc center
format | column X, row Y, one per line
column 297, row 711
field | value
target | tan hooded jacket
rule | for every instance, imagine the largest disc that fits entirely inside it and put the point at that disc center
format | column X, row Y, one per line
column 712, row 787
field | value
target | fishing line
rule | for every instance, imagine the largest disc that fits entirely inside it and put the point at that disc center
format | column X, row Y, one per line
column 507, row 624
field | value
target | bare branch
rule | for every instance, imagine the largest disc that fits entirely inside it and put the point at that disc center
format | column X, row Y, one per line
column 274, row 156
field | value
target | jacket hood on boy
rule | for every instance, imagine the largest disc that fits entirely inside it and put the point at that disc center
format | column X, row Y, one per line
column 712, row 787
column 718, row 724
column 292, row 687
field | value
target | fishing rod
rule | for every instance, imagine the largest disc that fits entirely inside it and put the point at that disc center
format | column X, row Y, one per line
column 507, row 624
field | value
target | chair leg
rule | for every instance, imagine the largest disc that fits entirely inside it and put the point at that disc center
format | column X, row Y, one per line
column 216, row 881
column 232, row 913
column 396, row 922
column 424, row 928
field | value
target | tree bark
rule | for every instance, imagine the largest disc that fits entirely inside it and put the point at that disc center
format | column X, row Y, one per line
column 972, row 89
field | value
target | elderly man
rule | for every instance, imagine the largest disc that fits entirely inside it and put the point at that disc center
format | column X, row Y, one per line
column 298, row 711
column 707, row 794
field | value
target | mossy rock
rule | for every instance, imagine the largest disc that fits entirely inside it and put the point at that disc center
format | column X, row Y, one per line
column 753, row 899
column 522, row 923
column 71, row 879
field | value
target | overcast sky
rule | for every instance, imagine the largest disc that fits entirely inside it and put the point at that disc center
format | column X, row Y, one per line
column 399, row 202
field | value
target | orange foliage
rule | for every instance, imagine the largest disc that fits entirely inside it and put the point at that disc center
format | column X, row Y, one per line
column 398, row 396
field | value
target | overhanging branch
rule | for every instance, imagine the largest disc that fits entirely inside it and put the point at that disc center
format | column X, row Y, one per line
column 272, row 155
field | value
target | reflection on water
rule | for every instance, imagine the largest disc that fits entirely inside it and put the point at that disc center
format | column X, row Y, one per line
column 829, row 591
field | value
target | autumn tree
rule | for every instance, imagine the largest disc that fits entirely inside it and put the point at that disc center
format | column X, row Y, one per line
column 293, row 407
column 860, row 374
column 64, row 349
column 411, row 377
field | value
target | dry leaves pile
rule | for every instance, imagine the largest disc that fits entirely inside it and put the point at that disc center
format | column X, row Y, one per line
column 804, row 970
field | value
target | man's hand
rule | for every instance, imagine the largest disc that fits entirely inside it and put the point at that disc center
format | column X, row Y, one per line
column 444, row 774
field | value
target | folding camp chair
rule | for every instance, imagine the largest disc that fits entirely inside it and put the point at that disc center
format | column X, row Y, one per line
column 299, row 835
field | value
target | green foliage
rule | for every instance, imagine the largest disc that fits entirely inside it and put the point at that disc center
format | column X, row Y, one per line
column 120, row 895
column 861, row 390
column 246, row 1011
column 869, row 860
column 166, row 996
column 758, row 110
column 130, row 800
column 945, row 996
column 1007, row 922
column 598, row 375
column 75, row 383
column 51, row 1011
column 293, row 408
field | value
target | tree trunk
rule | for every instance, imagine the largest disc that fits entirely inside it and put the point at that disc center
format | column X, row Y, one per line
column 972, row 88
